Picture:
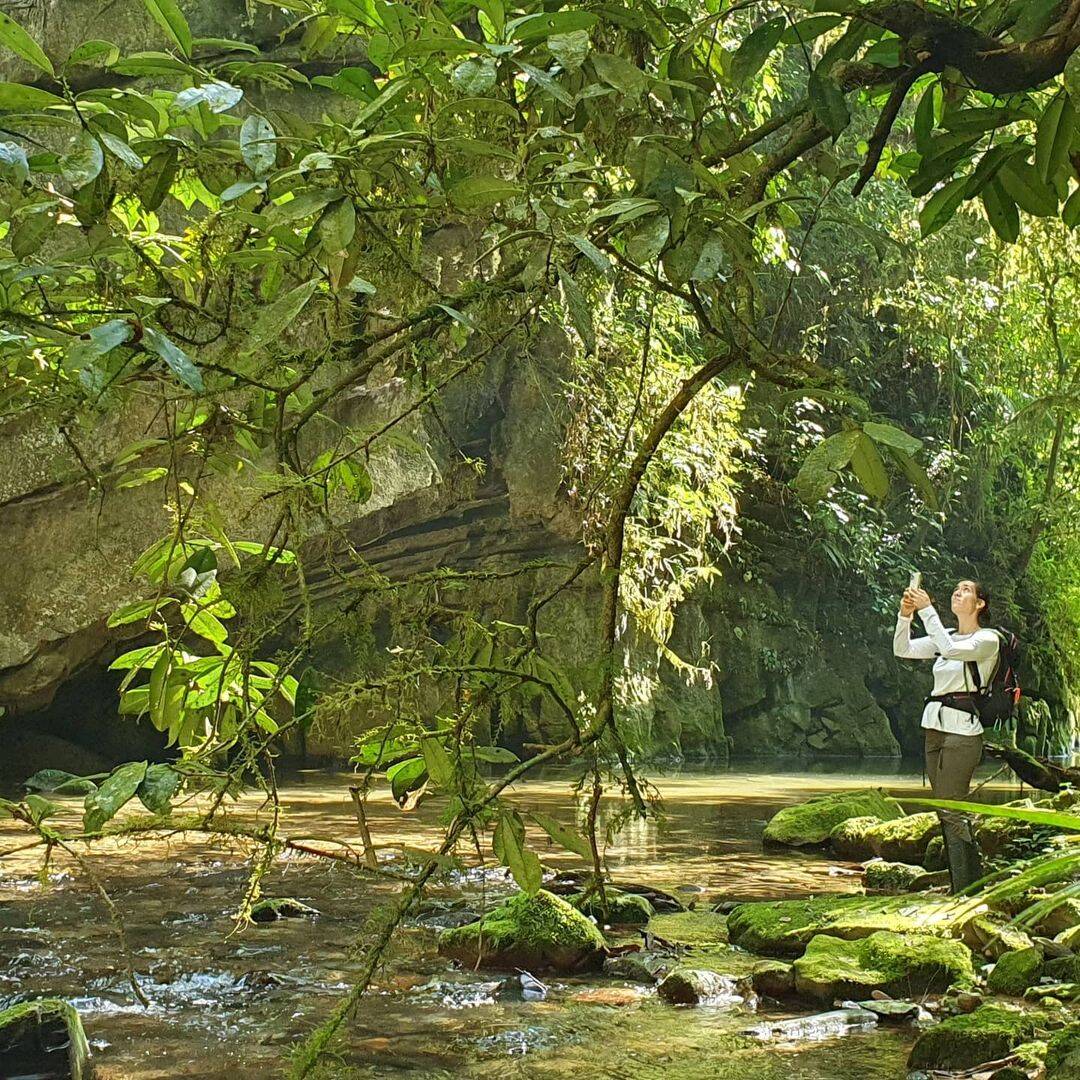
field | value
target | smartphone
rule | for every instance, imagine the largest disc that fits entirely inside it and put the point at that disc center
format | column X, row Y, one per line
column 915, row 581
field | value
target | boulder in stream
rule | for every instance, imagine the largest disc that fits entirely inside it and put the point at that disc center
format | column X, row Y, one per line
column 694, row 929
column 773, row 978
column 624, row 909
column 904, row 839
column 891, row 878
column 1063, row 1054
column 1015, row 971
column 811, row 823
column 850, row 839
column 43, row 1038
column 642, row 967
column 962, row 1042
column 537, row 933
column 270, row 909
column 896, row 964
column 696, row 986
column 783, row 928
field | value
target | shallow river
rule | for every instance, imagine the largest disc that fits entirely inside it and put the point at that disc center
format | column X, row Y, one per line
column 230, row 1006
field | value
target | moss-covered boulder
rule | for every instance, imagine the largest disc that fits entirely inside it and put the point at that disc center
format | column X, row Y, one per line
column 693, row 929
column 536, row 933
column 784, row 928
column 934, row 859
column 1015, row 971
column 904, row 839
column 623, row 909
column 43, row 1038
column 1063, row 1054
column 773, row 978
column 700, row 986
column 896, row 964
column 891, row 878
column 270, row 909
column 962, row 1042
column 811, row 822
column 850, row 839
column 992, row 935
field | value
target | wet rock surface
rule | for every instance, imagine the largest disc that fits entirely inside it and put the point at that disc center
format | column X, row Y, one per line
column 810, row 823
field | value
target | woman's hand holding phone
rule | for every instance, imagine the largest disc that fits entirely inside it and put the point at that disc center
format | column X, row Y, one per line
column 914, row 600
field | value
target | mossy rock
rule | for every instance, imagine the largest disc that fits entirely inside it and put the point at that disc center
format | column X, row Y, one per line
column 1001, row 837
column 700, row 986
column 1069, row 938
column 1063, row 917
column 280, row 907
column 898, row 964
column 693, row 929
column 850, row 839
column 904, row 839
column 1015, row 971
column 535, row 933
column 993, row 936
column 811, row 822
column 891, row 878
column 1063, row 1054
column 784, row 928
column 934, row 858
column 773, row 978
column 1063, row 969
column 34, row 1034
column 624, row 909
column 962, row 1042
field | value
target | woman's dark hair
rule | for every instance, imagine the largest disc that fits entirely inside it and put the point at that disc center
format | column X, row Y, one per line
column 983, row 593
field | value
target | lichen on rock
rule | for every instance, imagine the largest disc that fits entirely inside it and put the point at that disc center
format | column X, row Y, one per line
column 536, row 933
column 810, row 823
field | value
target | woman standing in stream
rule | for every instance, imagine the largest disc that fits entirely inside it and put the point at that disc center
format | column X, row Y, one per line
column 950, row 719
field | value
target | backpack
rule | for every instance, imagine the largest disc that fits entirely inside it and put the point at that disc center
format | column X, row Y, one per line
column 997, row 700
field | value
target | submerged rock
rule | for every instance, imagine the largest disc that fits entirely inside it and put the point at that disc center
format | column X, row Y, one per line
column 640, row 967
column 889, row 1011
column 826, row 1025
column 1015, row 971
column 962, row 1042
column 282, row 907
column 897, row 964
column 690, row 928
column 695, row 986
column 812, row 822
column 624, row 909
column 1063, row 1054
column 538, row 933
column 43, row 1038
column 784, row 928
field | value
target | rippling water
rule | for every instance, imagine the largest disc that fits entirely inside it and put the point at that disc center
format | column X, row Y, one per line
column 228, row 1006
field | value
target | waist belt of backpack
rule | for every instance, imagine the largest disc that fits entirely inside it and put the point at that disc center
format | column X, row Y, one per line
column 959, row 701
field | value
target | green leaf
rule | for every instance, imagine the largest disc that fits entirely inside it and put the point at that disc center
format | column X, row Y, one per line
column 337, row 225
column 58, row 782
column 591, row 252
column 14, row 168
column 619, row 72
column 649, row 239
column 755, row 49
column 926, row 114
column 175, row 358
column 29, row 232
column 1053, row 818
column 389, row 92
column 479, row 192
column 273, row 321
column 120, row 149
column 868, row 467
column 819, row 471
column 1070, row 212
column 1054, row 136
column 564, row 836
column 1002, row 212
column 257, row 145
column 157, row 177
column 534, row 27
column 82, row 164
column 158, row 787
column 15, row 97
column 570, row 49
column 888, row 435
column 916, row 476
column 355, row 82
column 169, row 17
column 129, row 613
column 20, row 42
column 1022, row 183
column 807, row 30
column 93, row 52
column 406, row 776
column 218, row 97
column 40, row 808
column 439, row 766
column 508, row 843
column 103, row 804
column 475, row 76
column 580, row 312
column 546, row 82
column 828, row 104
column 941, row 206
column 209, row 626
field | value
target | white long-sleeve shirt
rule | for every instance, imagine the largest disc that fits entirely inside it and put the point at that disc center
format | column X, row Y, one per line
column 953, row 652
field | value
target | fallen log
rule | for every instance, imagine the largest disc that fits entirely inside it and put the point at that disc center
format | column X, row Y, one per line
column 1036, row 772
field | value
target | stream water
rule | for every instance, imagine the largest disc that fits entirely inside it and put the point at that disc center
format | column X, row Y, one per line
column 231, row 1006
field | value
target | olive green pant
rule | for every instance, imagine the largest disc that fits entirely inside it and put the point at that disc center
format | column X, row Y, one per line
column 950, row 762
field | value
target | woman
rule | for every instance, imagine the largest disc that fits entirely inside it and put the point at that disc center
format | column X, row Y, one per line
column 950, row 719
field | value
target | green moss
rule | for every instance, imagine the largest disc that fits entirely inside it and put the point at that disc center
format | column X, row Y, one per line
column 898, row 964
column 541, row 932
column 1070, row 938
column 280, row 907
column 850, row 838
column 624, row 909
column 891, row 877
column 1065, row 969
column 811, row 822
column 773, row 978
column 784, row 928
column 904, row 839
column 1015, row 971
column 20, row 1027
column 690, row 928
column 934, row 858
column 1063, row 1054
column 962, row 1042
